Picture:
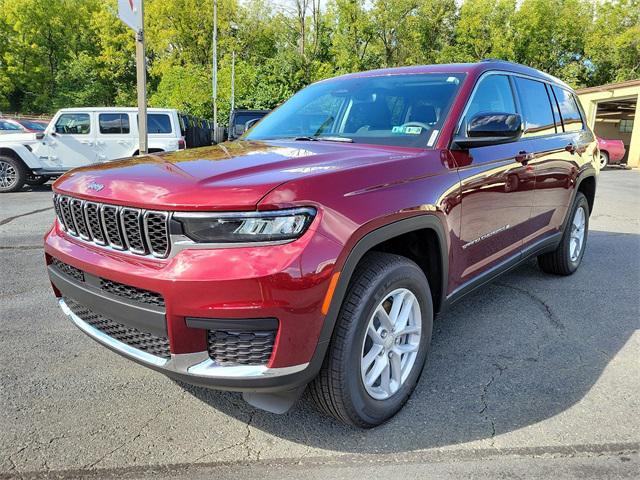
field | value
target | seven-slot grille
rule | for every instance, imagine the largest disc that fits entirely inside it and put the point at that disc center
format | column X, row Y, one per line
column 152, row 344
column 142, row 232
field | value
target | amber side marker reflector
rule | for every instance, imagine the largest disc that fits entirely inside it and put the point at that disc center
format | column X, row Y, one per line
column 332, row 288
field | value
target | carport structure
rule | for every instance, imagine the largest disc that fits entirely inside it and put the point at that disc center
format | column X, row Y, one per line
column 613, row 113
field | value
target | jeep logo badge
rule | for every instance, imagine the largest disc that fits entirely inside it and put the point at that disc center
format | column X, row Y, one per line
column 96, row 187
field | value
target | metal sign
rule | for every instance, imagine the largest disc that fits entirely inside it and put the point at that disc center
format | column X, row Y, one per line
column 130, row 12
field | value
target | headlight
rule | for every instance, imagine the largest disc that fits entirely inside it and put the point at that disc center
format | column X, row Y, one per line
column 245, row 227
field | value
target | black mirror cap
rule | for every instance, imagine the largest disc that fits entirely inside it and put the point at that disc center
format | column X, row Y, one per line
column 39, row 136
column 491, row 129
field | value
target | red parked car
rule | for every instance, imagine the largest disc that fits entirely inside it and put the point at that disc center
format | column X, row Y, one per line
column 316, row 250
column 611, row 151
column 32, row 126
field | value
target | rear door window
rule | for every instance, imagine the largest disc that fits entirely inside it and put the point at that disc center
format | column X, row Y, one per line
column 73, row 124
column 569, row 111
column 536, row 107
column 158, row 123
column 492, row 95
column 114, row 123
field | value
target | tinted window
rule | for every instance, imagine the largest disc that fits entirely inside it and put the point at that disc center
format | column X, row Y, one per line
column 554, row 106
column 32, row 125
column 401, row 110
column 569, row 111
column 73, row 123
column 493, row 94
column 536, row 108
column 4, row 125
column 158, row 123
column 113, row 123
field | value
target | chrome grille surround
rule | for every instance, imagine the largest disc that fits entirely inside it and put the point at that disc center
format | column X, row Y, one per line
column 94, row 222
column 127, row 229
column 77, row 212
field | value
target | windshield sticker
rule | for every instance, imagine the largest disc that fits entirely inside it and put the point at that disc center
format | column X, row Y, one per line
column 432, row 138
column 406, row 130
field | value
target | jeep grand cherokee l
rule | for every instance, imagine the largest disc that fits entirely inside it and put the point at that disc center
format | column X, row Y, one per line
column 316, row 250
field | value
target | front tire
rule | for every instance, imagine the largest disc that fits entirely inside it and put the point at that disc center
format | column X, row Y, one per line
column 13, row 174
column 566, row 258
column 379, row 344
column 36, row 180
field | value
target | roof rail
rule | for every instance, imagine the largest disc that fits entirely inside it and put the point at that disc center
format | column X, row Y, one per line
column 496, row 60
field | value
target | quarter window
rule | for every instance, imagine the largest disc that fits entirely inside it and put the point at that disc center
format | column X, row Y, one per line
column 73, row 124
column 114, row 123
column 571, row 118
column 536, row 109
column 493, row 94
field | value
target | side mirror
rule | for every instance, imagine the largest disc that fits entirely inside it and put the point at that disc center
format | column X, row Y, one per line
column 490, row 129
column 250, row 123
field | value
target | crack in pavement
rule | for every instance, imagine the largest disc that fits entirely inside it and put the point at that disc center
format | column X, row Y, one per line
column 485, row 404
column 242, row 443
column 21, row 247
column 544, row 306
column 136, row 436
column 11, row 219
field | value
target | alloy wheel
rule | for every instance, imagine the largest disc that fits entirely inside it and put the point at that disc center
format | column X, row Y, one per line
column 604, row 160
column 391, row 343
column 8, row 175
column 576, row 240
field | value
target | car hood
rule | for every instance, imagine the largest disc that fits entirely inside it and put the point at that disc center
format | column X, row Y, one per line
column 234, row 175
column 19, row 137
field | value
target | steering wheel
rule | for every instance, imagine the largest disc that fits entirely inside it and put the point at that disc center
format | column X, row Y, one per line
column 416, row 124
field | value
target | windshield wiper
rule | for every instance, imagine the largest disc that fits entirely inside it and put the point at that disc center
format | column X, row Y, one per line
column 327, row 139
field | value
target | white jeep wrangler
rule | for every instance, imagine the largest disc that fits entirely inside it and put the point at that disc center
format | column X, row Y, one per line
column 81, row 136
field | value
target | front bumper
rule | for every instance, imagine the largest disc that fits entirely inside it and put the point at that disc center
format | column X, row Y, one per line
column 236, row 285
column 196, row 368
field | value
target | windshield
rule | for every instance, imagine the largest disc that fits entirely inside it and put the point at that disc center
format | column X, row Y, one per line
column 398, row 110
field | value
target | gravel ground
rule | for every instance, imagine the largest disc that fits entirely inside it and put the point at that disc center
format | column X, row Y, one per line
column 532, row 375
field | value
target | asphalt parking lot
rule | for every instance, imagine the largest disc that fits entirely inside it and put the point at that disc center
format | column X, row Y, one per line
column 533, row 375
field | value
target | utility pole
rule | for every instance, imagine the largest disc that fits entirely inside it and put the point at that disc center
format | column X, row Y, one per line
column 131, row 12
column 233, row 80
column 214, row 72
column 141, row 68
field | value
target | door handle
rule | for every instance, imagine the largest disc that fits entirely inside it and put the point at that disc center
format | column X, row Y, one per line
column 571, row 148
column 86, row 142
column 524, row 157
column 123, row 142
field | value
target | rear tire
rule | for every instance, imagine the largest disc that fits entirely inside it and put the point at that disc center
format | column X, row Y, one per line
column 604, row 160
column 566, row 258
column 13, row 174
column 367, row 340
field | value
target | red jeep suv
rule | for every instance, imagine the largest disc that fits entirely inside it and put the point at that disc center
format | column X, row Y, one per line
column 316, row 250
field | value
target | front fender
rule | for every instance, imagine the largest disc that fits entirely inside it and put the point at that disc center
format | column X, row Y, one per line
column 22, row 152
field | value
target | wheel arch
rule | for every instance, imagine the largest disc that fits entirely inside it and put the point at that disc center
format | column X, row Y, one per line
column 386, row 238
column 22, row 153
column 587, row 186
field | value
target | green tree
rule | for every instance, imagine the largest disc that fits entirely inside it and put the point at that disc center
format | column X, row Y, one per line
column 484, row 30
column 613, row 42
column 549, row 35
